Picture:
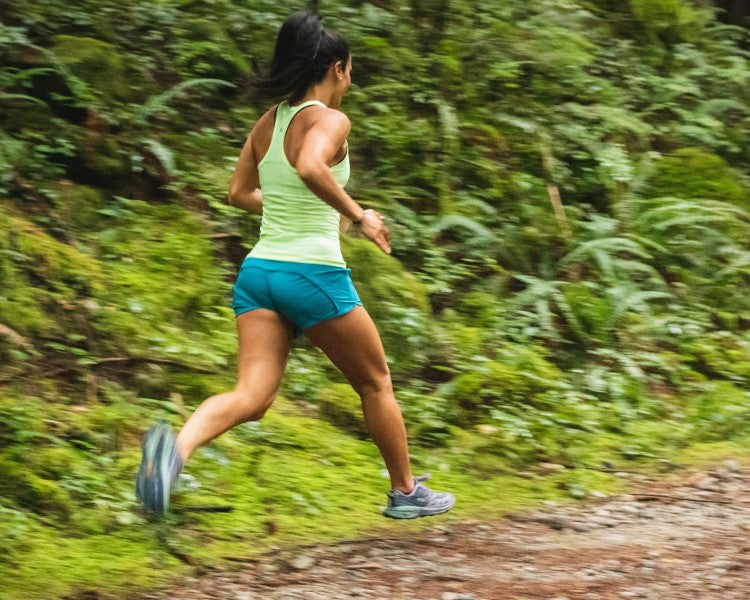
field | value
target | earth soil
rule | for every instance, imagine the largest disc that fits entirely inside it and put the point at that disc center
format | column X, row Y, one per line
column 685, row 537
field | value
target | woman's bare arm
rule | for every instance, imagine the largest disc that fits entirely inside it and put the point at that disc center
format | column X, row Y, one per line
column 319, row 147
column 244, row 188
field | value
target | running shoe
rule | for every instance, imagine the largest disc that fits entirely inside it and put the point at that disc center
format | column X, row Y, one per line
column 160, row 466
column 421, row 502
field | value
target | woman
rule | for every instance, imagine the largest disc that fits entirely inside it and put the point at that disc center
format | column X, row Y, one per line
column 292, row 170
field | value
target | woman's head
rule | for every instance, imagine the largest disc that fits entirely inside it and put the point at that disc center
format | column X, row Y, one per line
column 306, row 54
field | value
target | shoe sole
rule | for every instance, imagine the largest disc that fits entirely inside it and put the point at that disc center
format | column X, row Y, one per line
column 153, row 473
column 414, row 512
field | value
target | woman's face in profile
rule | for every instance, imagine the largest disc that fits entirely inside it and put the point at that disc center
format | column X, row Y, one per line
column 345, row 82
column 348, row 75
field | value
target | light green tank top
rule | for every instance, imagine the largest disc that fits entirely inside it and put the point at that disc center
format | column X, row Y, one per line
column 296, row 225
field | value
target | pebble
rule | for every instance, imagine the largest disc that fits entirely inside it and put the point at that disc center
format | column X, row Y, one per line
column 302, row 562
column 629, row 508
column 549, row 468
column 733, row 466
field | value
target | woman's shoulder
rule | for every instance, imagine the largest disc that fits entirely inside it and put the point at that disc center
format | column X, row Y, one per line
column 332, row 117
column 266, row 119
column 262, row 132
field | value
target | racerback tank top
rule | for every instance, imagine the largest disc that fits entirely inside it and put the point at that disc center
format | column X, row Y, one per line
column 296, row 225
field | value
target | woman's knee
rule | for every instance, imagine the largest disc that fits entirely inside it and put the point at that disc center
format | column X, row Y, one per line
column 251, row 405
column 374, row 387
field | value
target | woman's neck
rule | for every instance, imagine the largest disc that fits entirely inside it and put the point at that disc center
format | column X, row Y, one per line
column 321, row 93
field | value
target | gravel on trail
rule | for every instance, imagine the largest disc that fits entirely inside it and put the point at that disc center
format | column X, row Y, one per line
column 685, row 538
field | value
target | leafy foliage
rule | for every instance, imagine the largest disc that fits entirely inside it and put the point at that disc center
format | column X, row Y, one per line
column 566, row 182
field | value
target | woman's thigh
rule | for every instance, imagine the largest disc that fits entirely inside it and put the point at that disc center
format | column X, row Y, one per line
column 265, row 338
column 353, row 344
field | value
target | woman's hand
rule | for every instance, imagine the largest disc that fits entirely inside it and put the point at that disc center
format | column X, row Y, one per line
column 373, row 228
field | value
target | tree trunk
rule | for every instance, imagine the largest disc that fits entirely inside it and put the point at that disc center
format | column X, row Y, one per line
column 736, row 12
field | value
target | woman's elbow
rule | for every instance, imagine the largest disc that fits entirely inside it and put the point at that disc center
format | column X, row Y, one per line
column 236, row 193
column 309, row 171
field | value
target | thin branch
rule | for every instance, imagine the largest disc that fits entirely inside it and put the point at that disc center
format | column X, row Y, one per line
column 131, row 359
column 650, row 496
column 14, row 336
column 553, row 191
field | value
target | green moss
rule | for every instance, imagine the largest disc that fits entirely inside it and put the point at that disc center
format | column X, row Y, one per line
column 104, row 160
column 341, row 406
column 63, row 268
column 722, row 412
column 396, row 300
column 671, row 20
column 718, row 355
column 31, row 491
column 520, row 375
column 300, row 503
column 19, row 421
column 96, row 62
column 593, row 313
column 163, row 280
column 39, row 274
column 78, row 204
column 205, row 49
column 695, row 173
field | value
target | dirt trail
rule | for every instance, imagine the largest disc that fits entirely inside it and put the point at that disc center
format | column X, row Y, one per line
column 670, row 540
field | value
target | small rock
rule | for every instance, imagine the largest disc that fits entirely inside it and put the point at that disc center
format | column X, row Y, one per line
column 549, row 468
column 578, row 526
column 630, row 509
column 733, row 466
column 90, row 304
column 707, row 484
column 302, row 562
column 357, row 591
column 487, row 429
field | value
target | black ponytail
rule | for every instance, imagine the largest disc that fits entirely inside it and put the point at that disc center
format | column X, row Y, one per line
column 304, row 52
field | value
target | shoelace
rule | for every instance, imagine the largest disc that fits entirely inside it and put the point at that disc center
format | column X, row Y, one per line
column 419, row 479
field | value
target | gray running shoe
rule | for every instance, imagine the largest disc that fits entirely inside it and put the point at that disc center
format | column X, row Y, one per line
column 422, row 502
column 160, row 466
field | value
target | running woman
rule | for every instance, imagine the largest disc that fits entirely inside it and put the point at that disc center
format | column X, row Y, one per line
column 292, row 170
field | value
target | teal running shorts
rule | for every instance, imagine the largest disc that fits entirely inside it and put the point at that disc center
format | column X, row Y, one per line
column 306, row 294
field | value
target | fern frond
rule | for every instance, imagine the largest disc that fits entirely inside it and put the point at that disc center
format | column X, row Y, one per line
column 461, row 222
column 160, row 101
column 608, row 245
column 23, row 97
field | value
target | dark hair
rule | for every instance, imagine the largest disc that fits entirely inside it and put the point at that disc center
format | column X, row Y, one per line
column 304, row 52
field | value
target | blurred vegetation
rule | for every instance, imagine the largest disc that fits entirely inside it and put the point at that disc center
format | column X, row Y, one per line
column 568, row 189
